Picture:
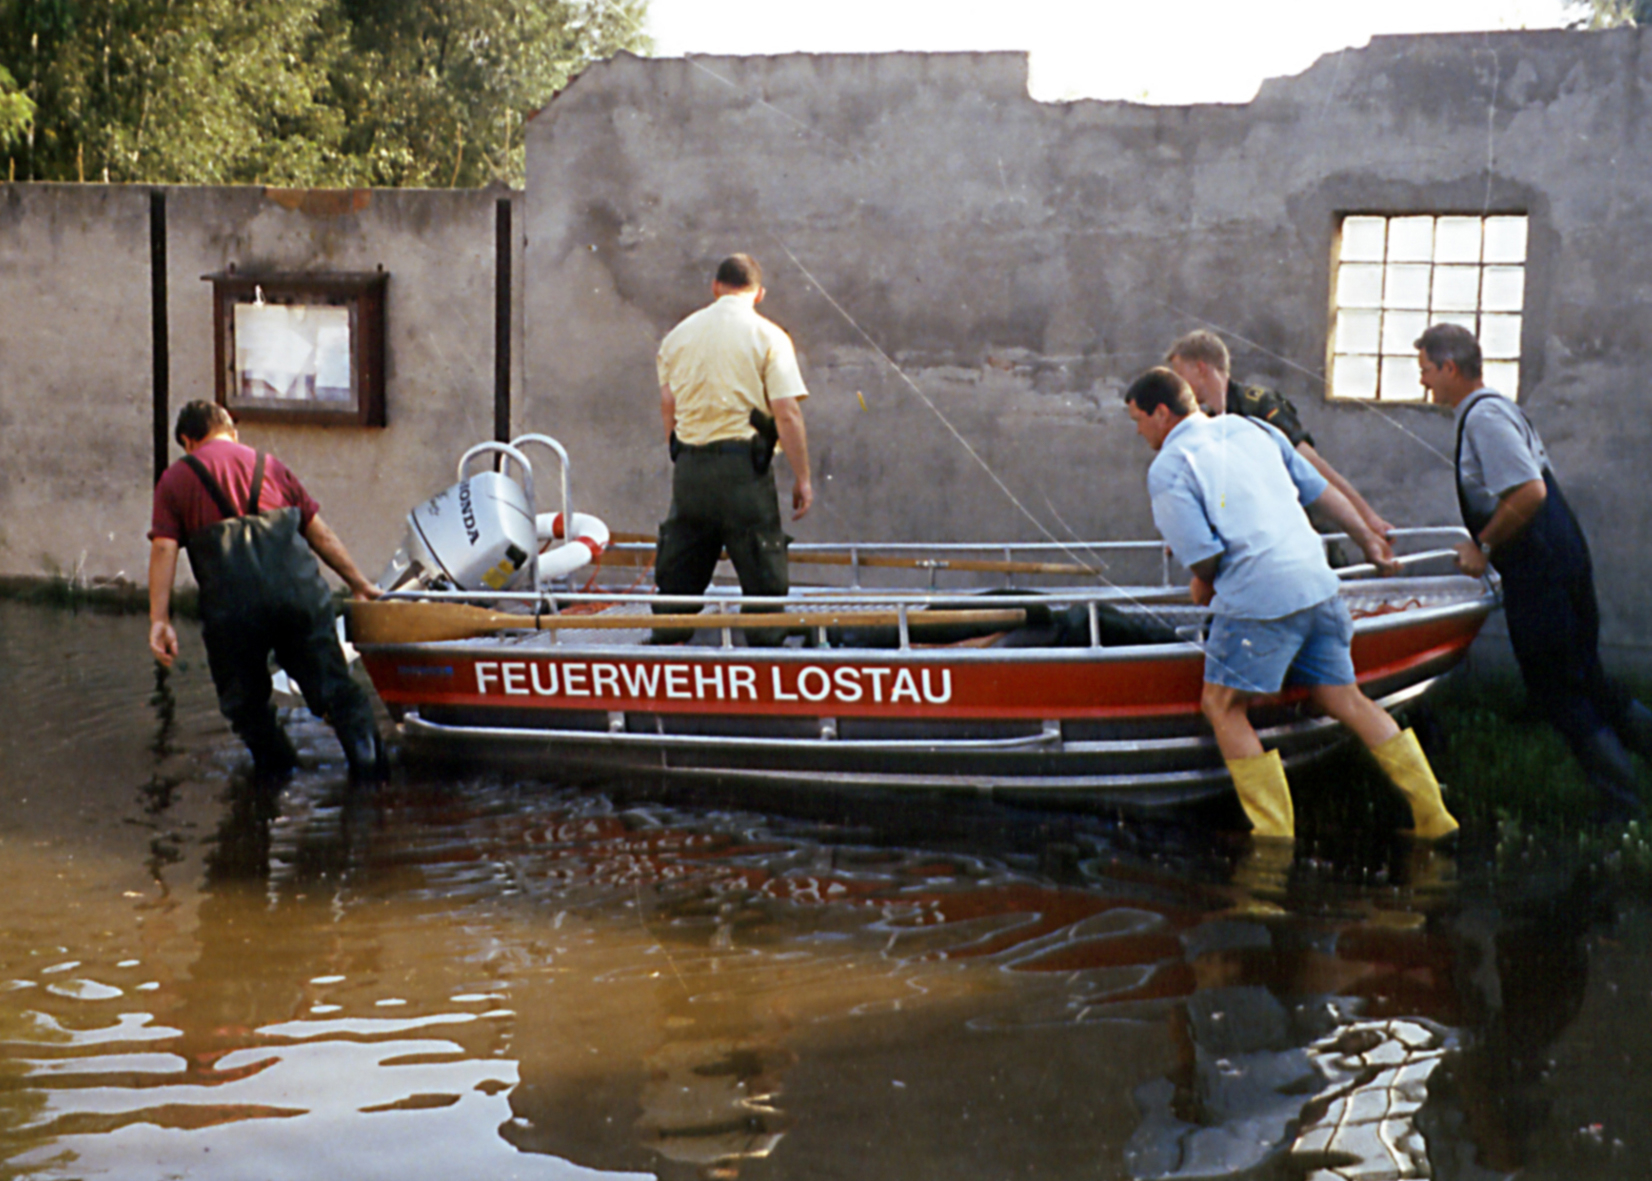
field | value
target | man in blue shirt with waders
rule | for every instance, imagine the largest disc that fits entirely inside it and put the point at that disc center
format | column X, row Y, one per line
column 1522, row 525
column 253, row 534
column 1229, row 495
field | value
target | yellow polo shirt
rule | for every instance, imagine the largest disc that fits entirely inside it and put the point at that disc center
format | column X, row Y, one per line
column 720, row 363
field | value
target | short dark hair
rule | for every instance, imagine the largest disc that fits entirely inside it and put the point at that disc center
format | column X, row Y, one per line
column 739, row 272
column 198, row 419
column 1200, row 345
column 1162, row 387
column 1454, row 343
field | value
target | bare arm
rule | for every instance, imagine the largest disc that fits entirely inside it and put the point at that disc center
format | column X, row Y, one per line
column 163, row 567
column 1366, row 513
column 331, row 550
column 1514, row 512
column 794, row 440
column 1203, row 586
column 1374, row 544
column 668, row 410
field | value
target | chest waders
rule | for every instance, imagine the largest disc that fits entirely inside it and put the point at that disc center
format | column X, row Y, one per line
column 262, row 592
column 1554, row 627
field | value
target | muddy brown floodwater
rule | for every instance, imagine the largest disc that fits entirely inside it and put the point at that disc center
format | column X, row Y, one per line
column 478, row 976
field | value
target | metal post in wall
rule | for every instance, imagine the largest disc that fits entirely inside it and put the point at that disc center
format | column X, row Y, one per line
column 502, row 322
column 159, row 349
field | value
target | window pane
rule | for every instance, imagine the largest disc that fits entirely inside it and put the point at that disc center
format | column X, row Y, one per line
column 1505, row 239
column 1357, row 331
column 1500, row 336
column 1401, row 380
column 1505, row 289
column 1411, row 239
column 1457, row 239
column 292, row 352
column 1456, row 289
column 1359, row 285
column 1354, row 377
column 1363, row 238
column 1461, row 319
column 1502, row 376
column 1406, row 286
column 1400, row 331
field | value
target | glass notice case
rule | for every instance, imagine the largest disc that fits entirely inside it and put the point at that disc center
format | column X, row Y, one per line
column 300, row 348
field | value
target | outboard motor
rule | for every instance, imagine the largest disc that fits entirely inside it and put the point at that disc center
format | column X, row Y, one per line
column 479, row 534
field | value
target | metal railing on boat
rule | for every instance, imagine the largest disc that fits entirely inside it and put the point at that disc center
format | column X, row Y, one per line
column 1165, row 601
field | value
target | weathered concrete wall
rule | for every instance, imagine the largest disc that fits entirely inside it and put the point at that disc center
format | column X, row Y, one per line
column 76, row 394
column 943, row 245
column 74, row 380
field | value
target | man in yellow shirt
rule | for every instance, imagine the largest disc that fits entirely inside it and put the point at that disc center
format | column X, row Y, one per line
column 729, row 387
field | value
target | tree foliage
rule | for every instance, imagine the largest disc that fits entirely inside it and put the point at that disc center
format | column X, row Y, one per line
column 16, row 110
column 291, row 92
column 1612, row 14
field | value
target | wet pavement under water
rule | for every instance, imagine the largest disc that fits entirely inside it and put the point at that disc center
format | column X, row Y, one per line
column 478, row 976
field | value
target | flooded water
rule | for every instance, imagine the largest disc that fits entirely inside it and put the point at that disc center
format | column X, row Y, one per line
column 502, row 978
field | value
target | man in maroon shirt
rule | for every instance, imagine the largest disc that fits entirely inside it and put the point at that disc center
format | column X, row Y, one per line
column 253, row 535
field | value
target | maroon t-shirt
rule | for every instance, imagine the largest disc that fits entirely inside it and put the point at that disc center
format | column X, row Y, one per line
column 183, row 505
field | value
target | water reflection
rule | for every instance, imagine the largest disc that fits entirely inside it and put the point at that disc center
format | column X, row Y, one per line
column 488, row 977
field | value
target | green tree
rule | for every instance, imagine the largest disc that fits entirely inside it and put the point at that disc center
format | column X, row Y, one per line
column 16, row 111
column 293, row 92
column 1611, row 14
column 436, row 91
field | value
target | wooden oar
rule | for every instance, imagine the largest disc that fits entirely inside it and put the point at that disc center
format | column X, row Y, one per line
column 391, row 621
column 805, row 558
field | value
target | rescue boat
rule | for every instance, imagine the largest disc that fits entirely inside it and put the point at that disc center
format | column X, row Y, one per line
column 1039, row 668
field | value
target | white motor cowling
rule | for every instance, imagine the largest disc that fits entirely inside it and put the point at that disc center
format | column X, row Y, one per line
column 480, row 534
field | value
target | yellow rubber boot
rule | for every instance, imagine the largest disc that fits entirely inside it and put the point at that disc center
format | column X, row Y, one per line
column 1402, row 760
column 1260, row 782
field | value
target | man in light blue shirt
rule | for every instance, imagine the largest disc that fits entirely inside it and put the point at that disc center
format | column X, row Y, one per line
column 1228, row 496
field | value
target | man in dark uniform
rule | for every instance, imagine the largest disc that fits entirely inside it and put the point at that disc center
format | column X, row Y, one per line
column 1514, row 508
column 253, row 534
column 1201, row 359
column 729, row 389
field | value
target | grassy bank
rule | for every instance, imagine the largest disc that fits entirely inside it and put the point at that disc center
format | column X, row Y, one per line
column 1509, row 779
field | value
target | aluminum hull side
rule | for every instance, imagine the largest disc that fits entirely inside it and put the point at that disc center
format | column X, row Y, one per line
column 1116, row 724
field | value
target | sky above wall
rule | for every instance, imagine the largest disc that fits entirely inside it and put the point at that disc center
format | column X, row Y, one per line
column 1187, row 51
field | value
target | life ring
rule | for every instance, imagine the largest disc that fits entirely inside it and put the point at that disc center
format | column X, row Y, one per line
column 590, row 538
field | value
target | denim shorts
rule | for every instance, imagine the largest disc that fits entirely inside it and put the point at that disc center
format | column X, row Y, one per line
column 1307, row 647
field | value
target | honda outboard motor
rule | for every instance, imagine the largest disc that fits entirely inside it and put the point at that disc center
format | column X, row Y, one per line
column 479, row 534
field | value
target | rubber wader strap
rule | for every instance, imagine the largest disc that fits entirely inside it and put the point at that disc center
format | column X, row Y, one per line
column 226, row 507
column 257, row 486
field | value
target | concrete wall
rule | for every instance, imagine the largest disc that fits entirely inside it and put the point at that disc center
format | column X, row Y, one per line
column 74, row 380
column 980, row 271
column 76, row 395
column 988, row 272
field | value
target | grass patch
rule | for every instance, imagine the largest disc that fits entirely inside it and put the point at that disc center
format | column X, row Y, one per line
column 1509, row 778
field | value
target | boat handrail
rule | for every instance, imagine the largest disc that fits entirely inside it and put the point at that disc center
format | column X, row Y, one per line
column 1158, row 595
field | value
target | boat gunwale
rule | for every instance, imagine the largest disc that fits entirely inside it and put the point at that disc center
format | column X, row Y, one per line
column 1481, row 604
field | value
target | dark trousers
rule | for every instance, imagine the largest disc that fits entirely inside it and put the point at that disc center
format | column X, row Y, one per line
column 1554, row 628
column 719, row 502
column 305, row 644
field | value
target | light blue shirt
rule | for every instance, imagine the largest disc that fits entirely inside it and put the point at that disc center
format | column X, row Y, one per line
column 1235, row 487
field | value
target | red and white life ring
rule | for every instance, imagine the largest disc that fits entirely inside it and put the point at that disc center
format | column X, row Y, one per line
column 590, row 538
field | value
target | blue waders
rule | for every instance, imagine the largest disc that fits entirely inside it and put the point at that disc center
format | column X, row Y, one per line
column 1554, row 627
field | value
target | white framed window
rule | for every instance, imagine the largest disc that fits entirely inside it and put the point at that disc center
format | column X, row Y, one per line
column 1394, row 276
